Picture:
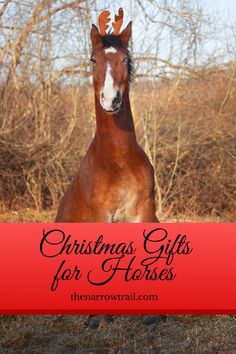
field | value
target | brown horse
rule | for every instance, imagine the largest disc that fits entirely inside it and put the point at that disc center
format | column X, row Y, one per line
column 115, row 182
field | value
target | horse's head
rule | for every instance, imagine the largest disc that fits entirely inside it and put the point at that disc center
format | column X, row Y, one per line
column 111, row 67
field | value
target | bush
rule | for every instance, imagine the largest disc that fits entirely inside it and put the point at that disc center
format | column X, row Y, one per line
column 186, row 126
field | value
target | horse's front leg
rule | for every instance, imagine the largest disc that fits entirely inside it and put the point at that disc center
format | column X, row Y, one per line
column 146, row 211
column 99, row 213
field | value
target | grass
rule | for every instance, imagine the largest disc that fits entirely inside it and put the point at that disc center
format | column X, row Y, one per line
column 30, row 215
column 26, row 215
column 68, row 334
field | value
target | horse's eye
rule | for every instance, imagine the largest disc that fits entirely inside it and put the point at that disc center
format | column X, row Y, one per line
column 93, row 60
column 126, row 60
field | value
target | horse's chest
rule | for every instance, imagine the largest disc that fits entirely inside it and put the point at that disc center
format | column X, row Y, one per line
column 125, row 203
column 117, row 191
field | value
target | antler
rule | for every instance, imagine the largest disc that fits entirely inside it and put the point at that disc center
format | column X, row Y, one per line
column 118, row 21
column 103, row 22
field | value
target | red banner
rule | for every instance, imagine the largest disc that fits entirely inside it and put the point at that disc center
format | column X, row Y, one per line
column 118, row 268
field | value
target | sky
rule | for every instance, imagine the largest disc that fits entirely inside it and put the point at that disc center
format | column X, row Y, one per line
column 217, row 46
column 224, row 8
column 223, row 12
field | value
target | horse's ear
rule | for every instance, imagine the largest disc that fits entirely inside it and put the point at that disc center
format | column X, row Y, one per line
column 126, row 34
column 95, row 36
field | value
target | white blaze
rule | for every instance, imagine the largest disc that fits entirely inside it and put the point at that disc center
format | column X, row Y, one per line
column 110, row 50
column 109, row 93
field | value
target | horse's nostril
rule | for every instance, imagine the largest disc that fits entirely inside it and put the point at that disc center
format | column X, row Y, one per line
column 102, row 95
column 117, row 99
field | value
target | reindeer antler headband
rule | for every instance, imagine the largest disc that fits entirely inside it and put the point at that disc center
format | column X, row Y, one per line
column 104, row 20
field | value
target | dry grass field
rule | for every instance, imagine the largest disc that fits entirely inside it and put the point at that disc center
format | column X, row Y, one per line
column 68, row 334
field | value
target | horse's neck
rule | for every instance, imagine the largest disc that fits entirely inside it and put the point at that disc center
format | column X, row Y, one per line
column 115, row 131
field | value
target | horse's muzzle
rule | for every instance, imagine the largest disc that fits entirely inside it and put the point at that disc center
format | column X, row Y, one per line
column 111, row 105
